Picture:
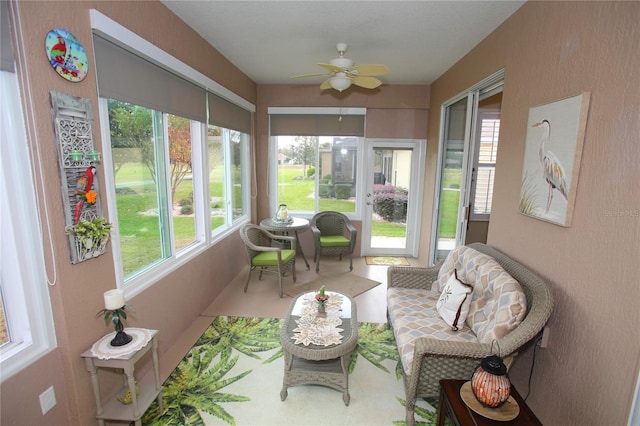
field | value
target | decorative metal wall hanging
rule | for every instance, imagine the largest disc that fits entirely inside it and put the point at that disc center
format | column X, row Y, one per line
column 73, row 123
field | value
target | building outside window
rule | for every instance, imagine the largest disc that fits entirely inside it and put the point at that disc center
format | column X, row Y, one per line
column 485, row 164
column 316, row 157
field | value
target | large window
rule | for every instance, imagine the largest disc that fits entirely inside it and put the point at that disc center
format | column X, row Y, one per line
column 26, row 321
column 154, row 193
column 227, row 153
column 178, row 167
column 316, row 155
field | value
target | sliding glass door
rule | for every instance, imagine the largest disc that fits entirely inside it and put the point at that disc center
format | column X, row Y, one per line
column 450, row 218
column 459, row 120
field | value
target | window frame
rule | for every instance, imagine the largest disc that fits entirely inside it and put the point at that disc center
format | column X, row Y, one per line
column 111, row 30
column 27, row 305
column 273, row 158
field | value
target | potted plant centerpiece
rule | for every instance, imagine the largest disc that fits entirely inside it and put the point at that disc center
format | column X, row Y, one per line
column 322, row 298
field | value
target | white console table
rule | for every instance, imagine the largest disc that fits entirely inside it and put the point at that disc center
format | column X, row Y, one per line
column 102, row 354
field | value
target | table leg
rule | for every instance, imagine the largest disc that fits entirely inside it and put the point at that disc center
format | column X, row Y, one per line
column 288, row 361
column 93, row 371
column 301, row 251
column 441, row 409
column 156, row 371
column 128, row 370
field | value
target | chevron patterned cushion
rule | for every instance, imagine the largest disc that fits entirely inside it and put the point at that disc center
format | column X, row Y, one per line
column 413, row 315
column 498, row 304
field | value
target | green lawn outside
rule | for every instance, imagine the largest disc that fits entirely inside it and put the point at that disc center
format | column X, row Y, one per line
column 449, row 218
column 298, row 194
column 140, row 235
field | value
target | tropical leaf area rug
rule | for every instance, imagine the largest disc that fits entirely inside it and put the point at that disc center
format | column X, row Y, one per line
column 233, row 376
column 387, row 260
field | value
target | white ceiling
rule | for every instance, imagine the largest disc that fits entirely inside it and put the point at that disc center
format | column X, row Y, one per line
column 271, row 41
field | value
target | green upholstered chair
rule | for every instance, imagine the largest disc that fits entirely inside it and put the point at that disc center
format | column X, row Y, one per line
column 333, row 233
column 265, row 255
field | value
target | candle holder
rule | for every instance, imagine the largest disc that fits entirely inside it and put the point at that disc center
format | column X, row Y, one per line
column 94, row 156
column 115, row 311
column 76, row 155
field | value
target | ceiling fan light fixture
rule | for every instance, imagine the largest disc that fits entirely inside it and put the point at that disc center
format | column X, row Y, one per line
column 340, row 83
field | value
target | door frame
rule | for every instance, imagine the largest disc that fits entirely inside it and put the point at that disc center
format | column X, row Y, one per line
column 418, row 163
column 472, row 94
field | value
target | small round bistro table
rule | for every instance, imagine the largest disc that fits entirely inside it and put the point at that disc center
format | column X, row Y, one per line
column 298, row 224
column 324, row 362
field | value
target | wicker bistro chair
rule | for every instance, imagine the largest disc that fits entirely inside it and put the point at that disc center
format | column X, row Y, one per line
column 333, row 233
column 434, row 360
column 264, row 255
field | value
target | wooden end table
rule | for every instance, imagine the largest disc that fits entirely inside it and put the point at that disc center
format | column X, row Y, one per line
column 452, row 406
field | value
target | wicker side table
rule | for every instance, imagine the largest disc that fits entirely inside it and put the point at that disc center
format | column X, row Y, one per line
column 298, row 224
column 317, row 364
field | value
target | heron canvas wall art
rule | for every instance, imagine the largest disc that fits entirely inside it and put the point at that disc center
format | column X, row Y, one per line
column 553, row 149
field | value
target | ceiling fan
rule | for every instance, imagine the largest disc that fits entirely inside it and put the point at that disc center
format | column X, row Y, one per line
column 342, row 73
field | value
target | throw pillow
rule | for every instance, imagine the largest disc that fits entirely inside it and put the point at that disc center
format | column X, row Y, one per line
column 453, row 305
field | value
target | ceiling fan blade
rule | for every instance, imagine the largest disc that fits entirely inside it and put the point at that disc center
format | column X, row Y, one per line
column 369, row 69
column 366, row 81
column 325, row 85
column 331, row 67
column 311, row 75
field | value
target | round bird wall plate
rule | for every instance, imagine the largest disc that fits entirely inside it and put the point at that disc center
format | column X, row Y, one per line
column 66, row 55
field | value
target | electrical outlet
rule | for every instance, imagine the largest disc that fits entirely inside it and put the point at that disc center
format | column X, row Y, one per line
column 544, row 340
column 47, row 400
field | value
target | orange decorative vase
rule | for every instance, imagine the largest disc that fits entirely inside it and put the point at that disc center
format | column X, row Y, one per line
column 489, row 383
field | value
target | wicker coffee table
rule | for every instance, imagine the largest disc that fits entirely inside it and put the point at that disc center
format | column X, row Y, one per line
column 317, row 364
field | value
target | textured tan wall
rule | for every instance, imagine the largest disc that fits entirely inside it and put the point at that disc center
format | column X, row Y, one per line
column 553, row 50
column 172, row 303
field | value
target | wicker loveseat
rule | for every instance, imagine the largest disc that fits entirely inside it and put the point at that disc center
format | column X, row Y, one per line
column 429, row 349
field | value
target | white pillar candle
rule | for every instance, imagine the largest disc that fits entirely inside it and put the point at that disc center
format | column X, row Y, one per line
column 113, row 299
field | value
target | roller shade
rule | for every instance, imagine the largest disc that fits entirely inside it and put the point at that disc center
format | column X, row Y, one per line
column 316, row 125
column 127, row 77
column 228, row 115
column 6, row 47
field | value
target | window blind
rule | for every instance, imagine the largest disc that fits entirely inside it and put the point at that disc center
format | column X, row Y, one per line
column 316, row 125
column 228, row 115
column 127, row 77
column 6, row 47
